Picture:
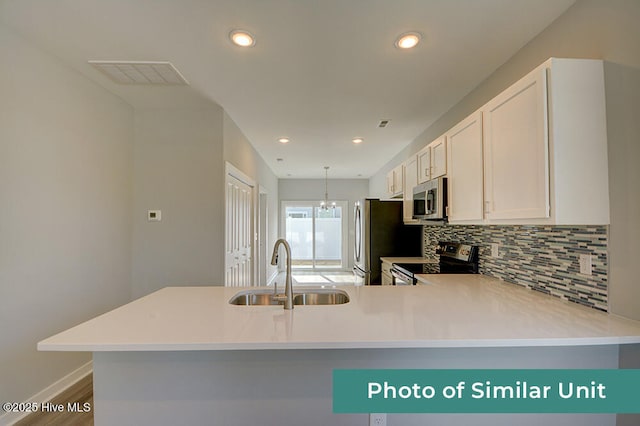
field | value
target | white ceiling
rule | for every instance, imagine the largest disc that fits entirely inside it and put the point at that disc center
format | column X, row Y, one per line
column 322, row 71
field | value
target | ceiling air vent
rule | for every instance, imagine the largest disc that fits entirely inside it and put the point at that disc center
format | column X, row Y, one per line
column 383, row 123
column 140, row 72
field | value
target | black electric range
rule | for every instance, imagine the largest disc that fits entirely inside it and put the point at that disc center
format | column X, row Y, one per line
column 454, row 258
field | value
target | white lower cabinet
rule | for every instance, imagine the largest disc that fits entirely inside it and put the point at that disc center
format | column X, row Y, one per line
column 387, row 278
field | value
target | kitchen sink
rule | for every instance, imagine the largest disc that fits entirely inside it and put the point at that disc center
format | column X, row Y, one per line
column 330, row 297
column 253, row 298
column 263, row 297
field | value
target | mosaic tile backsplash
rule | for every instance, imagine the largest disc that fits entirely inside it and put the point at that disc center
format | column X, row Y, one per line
column 543, row 258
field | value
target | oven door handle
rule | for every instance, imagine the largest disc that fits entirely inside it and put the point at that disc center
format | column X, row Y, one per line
column 402, row 277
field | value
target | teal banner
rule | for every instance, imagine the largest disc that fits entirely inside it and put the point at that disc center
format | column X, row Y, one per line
column 486, row 391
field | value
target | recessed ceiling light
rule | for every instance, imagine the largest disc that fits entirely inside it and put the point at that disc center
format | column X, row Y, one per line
column 408, row 40
column 284, row 140
column 357, row 140
column 242, row 38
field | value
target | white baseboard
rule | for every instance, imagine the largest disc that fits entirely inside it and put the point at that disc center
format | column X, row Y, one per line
column 49, row 392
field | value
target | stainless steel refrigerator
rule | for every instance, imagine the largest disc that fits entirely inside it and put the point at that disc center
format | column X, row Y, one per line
column 380, row 232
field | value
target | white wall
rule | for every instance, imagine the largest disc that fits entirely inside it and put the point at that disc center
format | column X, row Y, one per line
column 623, row 117
column 350, row 190
column 589, row 29
column 65, row 197
column 178, row 169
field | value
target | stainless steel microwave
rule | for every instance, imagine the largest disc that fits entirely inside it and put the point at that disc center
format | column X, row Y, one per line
column 430, row 200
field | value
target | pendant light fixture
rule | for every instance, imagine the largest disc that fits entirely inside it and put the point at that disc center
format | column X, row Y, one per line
column 324, row 205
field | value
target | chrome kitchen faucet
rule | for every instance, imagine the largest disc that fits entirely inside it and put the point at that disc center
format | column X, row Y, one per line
column 287, row 297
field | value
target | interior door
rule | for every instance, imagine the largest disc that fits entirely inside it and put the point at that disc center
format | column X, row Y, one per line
column 239, row 233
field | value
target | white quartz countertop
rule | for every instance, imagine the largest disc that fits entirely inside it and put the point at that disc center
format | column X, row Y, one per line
column 447, row 311
column 408, row 260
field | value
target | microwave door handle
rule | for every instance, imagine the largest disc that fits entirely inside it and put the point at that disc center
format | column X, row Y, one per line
column 430, row 202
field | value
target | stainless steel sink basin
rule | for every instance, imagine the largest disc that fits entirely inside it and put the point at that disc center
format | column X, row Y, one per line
column 331, row 297
column 249, row 298
column 263, row 297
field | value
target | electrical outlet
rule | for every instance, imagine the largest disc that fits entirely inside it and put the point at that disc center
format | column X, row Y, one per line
column 154, row 215
column 377, row 419
column 495, row 251
column 586, row 265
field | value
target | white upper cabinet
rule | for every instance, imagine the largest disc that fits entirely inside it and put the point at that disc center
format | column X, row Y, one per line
column 424, row 164
column 432, row 160
column 410, row 180
column 438, row 157
column 545, row 147
column 465, row 171
column 516, row 151
column 395, row 181
column 536, row 153
column 578, row 142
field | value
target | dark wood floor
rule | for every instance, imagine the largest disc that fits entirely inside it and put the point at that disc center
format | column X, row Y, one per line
column 79, row 394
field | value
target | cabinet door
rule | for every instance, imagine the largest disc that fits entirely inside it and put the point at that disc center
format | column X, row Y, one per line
column 410, row 180
column 516, row 151
column 438, row 157
column 390, row 183
column 424, row 164
column 465, row 170
column 387, row 279
column 398, row 180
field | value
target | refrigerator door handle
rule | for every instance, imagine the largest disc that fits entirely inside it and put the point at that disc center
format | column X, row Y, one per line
column 358, row 231
column 358, row 272
column 361, row 277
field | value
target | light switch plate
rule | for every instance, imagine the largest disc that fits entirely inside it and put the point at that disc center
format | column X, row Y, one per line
column 154, row 215
column 495, row 251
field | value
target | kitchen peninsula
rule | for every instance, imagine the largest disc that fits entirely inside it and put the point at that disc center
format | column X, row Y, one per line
column 184, row 355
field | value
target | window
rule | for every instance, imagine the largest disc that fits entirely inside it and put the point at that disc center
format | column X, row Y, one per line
column 317, row 237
